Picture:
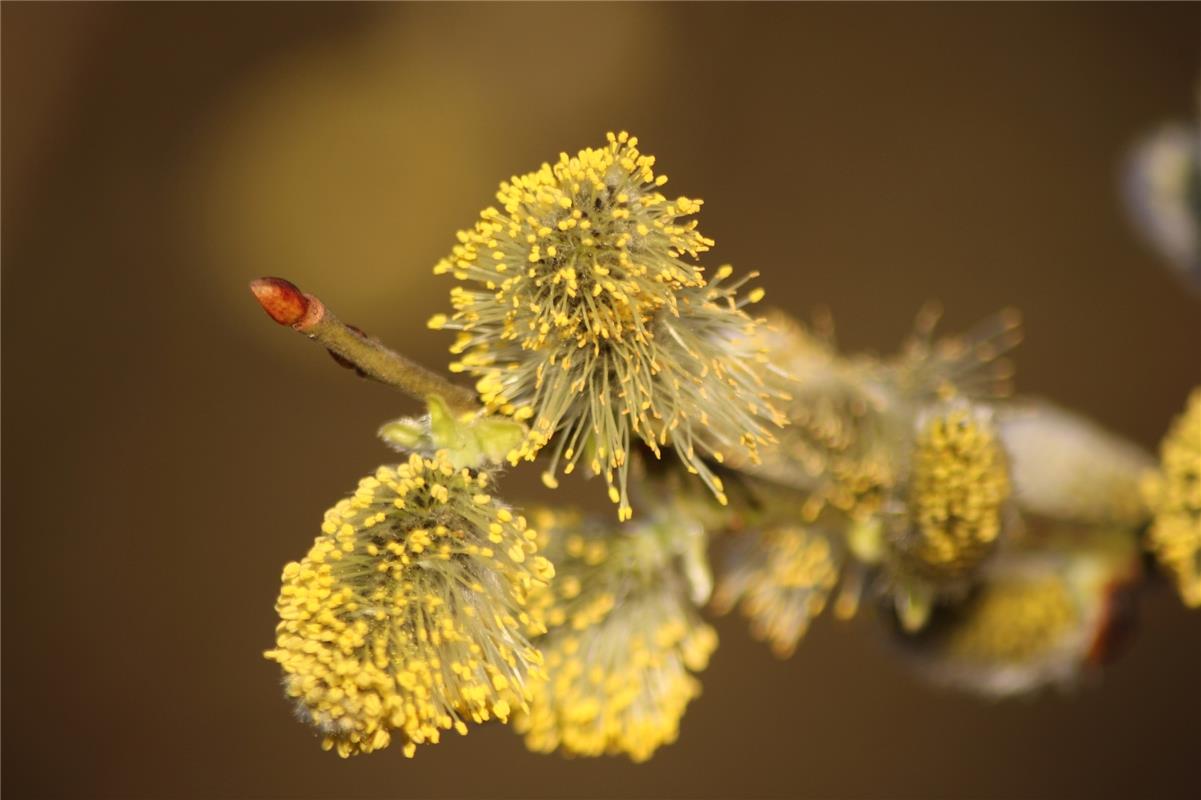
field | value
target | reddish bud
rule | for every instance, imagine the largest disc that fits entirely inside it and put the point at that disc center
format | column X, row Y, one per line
column 281, row 299
column 1117, row 623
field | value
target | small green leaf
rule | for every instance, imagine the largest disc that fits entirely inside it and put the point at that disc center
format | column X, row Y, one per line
column 445, row 431
column 496, row 437
column 404, row 434
column 470, row 440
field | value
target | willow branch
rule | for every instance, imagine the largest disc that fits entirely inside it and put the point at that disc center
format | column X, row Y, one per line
column 352, row 348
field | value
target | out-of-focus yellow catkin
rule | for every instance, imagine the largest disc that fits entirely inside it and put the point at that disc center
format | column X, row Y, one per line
column 958, row 483
column 1014, row 621
column 1035, row 617
column 1019, row 631
column 783, row 577
column 624, row 642
column 584, row 311
column 1174, row 494
column 850, row 419
column 837, row 447
column 408, row 616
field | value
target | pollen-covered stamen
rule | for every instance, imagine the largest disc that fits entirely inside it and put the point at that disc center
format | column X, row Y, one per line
column 582, row 251
column 409, row 614
column 958, row 483
column 972, row 364
column 1013, row 621
column 624, row 641
column 783, row 577
column 1174, row 495
column 839, row 446
column 588, row 316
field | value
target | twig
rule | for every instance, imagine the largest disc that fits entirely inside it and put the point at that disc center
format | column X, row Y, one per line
column 352, row 348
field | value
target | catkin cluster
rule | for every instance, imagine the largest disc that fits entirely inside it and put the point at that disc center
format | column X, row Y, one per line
column 996, row 538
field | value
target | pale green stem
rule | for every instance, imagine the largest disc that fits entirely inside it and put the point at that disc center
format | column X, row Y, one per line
column 376, row 361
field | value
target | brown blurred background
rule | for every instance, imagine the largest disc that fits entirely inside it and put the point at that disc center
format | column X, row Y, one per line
column 167, row 448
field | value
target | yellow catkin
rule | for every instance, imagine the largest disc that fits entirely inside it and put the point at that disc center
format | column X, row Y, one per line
column 958, row 484
column 408, row 616
column 783, row 577
column 835, row 437
column 1014, row 622
column 849, row 418
column 1174, row 495
column 583, row 310
column 1034, row 618
column 623, row 645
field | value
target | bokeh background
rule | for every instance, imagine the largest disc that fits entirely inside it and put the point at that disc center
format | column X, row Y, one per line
column 166, row 448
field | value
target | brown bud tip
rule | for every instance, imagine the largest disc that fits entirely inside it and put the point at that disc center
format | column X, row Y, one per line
column 281, row 299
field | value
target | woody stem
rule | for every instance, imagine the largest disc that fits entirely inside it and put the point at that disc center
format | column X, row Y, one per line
column 288, row 305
